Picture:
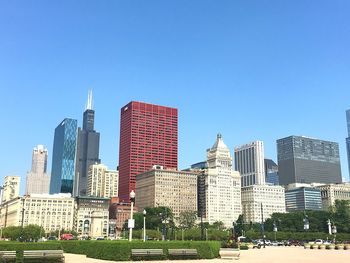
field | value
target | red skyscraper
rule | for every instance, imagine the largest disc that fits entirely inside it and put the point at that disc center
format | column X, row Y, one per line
column 148, row 136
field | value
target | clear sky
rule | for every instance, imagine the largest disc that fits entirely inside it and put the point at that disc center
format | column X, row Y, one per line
column 251, row 70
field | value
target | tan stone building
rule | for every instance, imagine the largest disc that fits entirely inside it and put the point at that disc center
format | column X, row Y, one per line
column 267, row 199
column 92, row 216
column 52, row 212
column 10, row 190
column 38, row 181
column 161, row 187
column 332, row 192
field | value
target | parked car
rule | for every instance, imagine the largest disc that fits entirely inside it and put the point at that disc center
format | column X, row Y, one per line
column 294, row 243
column 318, row 242
column 67, row 237
column 274, row 243
column 326, row 242
column 52, row 238
column 268, row 242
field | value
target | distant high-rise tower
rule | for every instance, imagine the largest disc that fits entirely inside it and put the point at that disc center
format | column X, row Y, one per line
column 88, row 145
column 222, row 186
column 63, row 157
column 348, row 138
column 38, row 181
column 271, row 172
column 307, row 160
column 148, row 137
column 249, row 161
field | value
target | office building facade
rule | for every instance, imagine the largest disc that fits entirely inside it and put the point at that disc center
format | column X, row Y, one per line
column 259, row 202
column 271, row 172
column 52, row 212
column 170, row 188
column 307, row 160
column 222, row 186
column 148, row 136
column 102, row 182
column 88, row 145
column 11, row 188
column 332, row 192
column 249, row 161
column 38, row 181
column 91, row 216
column 63, row 157
column 303, row 198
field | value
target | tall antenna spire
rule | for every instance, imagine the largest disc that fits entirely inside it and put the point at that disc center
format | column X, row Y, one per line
column 89, row 101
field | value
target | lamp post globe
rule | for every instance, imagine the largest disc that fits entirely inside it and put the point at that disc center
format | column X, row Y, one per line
column 144, row 225
column 131, row 223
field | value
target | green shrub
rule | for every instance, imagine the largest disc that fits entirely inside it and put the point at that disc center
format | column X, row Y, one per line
column 116, row 250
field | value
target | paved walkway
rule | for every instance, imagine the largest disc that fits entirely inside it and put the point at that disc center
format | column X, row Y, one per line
column 267, row 255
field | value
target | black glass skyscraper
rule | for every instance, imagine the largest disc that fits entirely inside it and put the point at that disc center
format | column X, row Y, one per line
column 63, row 157
column 307, row 160
column 87, row 149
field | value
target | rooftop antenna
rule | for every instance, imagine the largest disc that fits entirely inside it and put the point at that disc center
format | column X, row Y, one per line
column 89, row 101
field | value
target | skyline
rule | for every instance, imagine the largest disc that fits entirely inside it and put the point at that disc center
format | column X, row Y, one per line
column 248, row 70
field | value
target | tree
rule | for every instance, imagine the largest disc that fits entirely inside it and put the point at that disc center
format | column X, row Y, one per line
column 219, row 225
column 187, row 219
column 155, row 216
column 12, row 232
column 341, row 215
column 32, row 232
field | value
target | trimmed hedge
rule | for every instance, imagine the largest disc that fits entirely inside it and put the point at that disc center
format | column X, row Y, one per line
column 117, row 250
column 121, row 250
column 20, row 246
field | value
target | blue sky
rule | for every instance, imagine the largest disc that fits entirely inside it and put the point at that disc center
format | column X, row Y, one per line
column 251, row 70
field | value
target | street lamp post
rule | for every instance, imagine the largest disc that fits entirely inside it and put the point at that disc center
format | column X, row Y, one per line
column 275, row 229
column 306, row 222
column 144, row 225
column 163, row 217
column 262, row 224
column 334, row 232
column 131, row 223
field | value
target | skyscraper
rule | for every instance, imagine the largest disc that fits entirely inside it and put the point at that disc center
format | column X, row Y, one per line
column 249, row 161
column 63, row 157
column 88, row 145
column 307, row 160
column 102, row 182
column 222, row 186
column 348, row 138
column 38, row 181
column 148, row 137
column 271, row 172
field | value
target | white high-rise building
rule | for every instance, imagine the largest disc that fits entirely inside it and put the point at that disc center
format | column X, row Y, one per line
column 249, row 161
column 222, row 186
column 10, row 189
column 38, row 181
column 102, row 182
column 261, row 201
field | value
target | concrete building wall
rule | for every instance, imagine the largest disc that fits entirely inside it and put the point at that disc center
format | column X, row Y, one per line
column 266, row 198
column 174, row 189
